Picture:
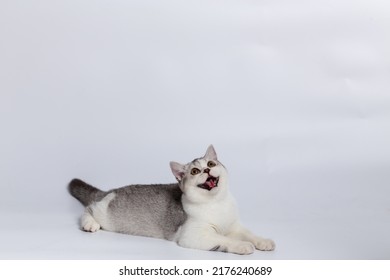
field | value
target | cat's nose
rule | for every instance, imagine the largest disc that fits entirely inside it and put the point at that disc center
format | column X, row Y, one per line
column 207, row 170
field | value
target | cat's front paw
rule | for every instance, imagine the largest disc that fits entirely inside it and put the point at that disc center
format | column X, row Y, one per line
column 242, row 248
column 264, row 244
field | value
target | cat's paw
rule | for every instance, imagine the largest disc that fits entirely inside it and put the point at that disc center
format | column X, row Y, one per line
column 264, row 244
column 88, row 223
column 242, row 248
column 91, row 226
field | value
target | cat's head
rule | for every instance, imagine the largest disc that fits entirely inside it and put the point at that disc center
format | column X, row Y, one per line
column 205, row 175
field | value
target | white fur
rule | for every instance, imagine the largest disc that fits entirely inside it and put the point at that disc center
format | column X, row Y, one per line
column 88, row 223
column 93, row 222
column 213, row 222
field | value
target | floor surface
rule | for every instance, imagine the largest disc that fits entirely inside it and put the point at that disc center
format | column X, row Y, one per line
column 50, row 236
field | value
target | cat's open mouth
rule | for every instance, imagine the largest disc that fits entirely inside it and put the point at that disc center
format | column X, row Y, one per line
column 210, row 183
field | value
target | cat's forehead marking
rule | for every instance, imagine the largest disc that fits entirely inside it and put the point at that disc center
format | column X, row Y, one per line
column 197, row 161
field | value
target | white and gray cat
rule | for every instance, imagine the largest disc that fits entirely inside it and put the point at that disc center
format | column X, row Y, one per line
column 197, row 212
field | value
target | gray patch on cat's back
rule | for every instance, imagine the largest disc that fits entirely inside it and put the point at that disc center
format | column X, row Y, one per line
column 147, row 210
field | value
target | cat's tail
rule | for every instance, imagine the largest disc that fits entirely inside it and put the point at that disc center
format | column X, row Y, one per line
column 84, row 192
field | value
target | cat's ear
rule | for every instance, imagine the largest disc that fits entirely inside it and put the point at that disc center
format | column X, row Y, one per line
column 178, row 170
column 210, row 153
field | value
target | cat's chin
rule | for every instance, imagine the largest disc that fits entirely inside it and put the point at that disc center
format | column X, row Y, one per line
column 211, row 183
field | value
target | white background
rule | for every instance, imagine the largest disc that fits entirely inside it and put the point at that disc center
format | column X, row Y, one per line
column 294, row 95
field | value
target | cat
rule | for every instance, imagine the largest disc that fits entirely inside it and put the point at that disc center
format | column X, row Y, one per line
column 197, row 212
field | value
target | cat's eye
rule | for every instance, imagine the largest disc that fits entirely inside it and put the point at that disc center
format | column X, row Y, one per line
column 195, row 171
column 211, row 164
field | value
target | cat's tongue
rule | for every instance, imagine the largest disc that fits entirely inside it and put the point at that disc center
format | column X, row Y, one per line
column 211, row 182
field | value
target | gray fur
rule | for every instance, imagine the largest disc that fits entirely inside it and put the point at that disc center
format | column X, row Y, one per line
column 84, row 192
column 145, row 210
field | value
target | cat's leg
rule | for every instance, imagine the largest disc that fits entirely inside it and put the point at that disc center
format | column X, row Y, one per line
column 88, row 223
column 204, row 237
column 95, row 215
column 241, row 233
